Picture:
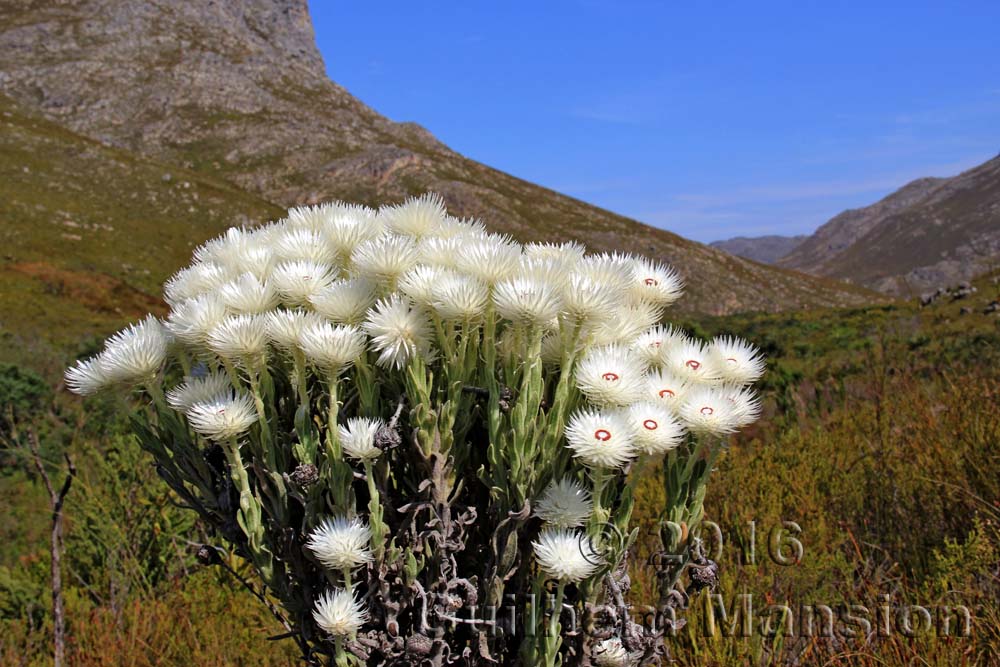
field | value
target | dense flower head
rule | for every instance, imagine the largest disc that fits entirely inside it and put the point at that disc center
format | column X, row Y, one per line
column 136, row 353
column 527, row 300
column 398, row 332
column 224, row 416
column 737, row 360
column 386, row 258
column 611, row 376
column 564, row 504
column 601, row 439
column 345, row 301
column 692, row 361
column 341, row 543
column 197, row 390
column 565, row 555
column 357, row 438
column 611, row 653
column 419, row 217
column 299, row 280
column 709, row 411
column 248, row 295
column 332, row 348
column 339, row 613
column 192, row 320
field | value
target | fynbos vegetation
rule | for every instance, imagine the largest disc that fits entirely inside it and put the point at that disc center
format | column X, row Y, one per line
column 420, row 434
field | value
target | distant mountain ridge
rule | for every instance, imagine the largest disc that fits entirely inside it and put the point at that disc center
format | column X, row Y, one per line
column 235, row 96
column 764, row 249
column 931, row 232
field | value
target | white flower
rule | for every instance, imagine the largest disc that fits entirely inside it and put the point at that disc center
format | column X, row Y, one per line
column 490, row 259
column 385, row 258
column 339, row 613
column 708, row 411
column 197, row 390
column 241, row 339
column 745, row 402
column 655, row 344
column 691, row 361
column 312, row 218
column 656, row 429
column 611, row 653
column 247, row 294
column 464, row 229
column 136, row 353
column 615, row 269
column 357, row 438
column 224, row 416
column 586, row 299
column 345, row 301
column 398, row 332
column 285, row 326
column 627, row 323
column 737, row 360
column 341, row 543
column 459, row 297
column 419, row 282
column 194, row 319
column 346, row 231
column 601, row 439
column 564, row 504
column 566, row 254
column 87, row 376
column 565, row 555
column 193, row 281
column 440, row 252
column 298, row 280
column 416, row 217
column 611, row 376
column 332, row 348
column 667, row 389
column 304, row 244
column 655, row 283
column 527, row 301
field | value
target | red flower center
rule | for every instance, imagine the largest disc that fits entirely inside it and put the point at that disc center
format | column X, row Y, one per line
column 667, row 393
column 732, row 361
column 602, row 435
column 692, row 364
column 610, row 377
column 656, row 343
column 652, row 282
column 650, row 425
column 707, row 411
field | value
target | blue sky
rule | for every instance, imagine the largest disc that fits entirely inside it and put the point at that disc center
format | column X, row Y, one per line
column 708, row 119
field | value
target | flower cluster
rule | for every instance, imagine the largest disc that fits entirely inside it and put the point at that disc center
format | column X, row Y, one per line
column 560, row 360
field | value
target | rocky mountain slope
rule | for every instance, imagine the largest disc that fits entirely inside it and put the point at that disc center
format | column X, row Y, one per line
column 931, row 232
column 765, row 249
column 235, row 96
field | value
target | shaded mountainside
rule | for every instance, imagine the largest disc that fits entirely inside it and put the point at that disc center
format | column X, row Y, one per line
column 237, row 92
column 929, row 233
column 765, row 249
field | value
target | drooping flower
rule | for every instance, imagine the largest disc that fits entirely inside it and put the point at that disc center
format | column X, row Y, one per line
column 339, row 613
column 565, row 555
column 341, row 543
column 357, row 438
column 227, row 415
column 564, row 504
column 241, row 339
column 708, row 411
column 298, row 280
column 398, row 332
column 611, row 653
column 737, row 360
column 197, row 390
column 86, row 377
column 601, row 439
column 611, row 376
column 248, row 295
column 655, row 283
column 657, row 430
column 334, row 348
column 135, row 354
column 345, row 301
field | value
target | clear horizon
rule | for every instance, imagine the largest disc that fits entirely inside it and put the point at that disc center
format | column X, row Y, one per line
column 743, row 122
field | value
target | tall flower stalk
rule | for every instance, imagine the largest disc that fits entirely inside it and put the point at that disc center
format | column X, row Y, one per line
column 405, row 422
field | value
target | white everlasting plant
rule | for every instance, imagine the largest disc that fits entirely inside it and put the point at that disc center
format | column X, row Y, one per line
column 399, row 417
